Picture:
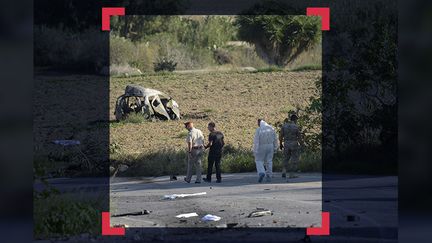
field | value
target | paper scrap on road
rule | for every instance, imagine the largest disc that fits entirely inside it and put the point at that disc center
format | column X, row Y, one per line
column 210, row 217
column 260, row 213
column 174, row 196
column 187, row 215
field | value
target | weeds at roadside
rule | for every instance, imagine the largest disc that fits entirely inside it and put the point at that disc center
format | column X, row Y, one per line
column 234, row 160
column 59, row 216
column 269, row 69
column 307, row 68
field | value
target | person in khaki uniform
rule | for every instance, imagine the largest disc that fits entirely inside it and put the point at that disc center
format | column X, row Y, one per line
column 195, row 149
column 290, row 140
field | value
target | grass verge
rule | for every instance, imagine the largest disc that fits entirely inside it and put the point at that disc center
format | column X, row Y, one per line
column 269, row 69
column 61, row 215
column 307, row 68
column 234, row 160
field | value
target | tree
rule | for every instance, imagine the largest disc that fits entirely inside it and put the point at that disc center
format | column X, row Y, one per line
column 279, row 39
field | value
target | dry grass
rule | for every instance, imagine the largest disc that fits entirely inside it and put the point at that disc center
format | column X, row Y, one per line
column 70, row 107
column 233, row 100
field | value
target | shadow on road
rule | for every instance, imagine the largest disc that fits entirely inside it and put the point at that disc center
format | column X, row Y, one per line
column 229, row 180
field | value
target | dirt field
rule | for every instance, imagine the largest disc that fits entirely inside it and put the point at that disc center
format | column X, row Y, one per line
column 233, row 100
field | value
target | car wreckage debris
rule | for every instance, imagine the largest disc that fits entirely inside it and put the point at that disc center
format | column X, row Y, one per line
column 142, row 212
column 150, row 103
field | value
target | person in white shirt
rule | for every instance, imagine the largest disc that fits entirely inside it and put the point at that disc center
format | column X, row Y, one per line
column 264, row 146
column 195, row 150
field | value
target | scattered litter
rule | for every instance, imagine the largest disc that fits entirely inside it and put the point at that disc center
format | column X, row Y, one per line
column 210, row 217
column 174, row 196
column 232, row 225
column 183, row 220
column 121, row 226
column 142, row 212
column 221, row 210
column 187, row 215
column 260, row 213
column 274, row 221
column 67, row 142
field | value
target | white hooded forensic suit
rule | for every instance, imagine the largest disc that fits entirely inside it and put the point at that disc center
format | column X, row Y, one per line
column 264, row 146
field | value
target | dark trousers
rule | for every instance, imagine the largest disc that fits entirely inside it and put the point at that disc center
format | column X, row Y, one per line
column 214, row 158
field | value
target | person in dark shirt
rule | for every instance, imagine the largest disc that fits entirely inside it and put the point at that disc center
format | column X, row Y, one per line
column 215, row 143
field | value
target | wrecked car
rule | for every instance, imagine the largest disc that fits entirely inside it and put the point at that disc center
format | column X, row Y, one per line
column 151, row 103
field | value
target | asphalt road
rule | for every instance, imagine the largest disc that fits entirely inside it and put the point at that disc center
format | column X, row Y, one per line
column 371, row 200
column 294, row 204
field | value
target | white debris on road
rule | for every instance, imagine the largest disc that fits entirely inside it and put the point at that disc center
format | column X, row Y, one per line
column 210, row 217
column 187, row 215
column 174, row 196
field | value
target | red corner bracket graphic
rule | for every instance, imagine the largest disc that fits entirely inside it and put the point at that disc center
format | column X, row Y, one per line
column 325, row 226
column 106, row 227
column 107, row 13
column 325, row 16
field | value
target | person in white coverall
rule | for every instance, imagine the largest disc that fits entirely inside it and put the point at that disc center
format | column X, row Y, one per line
column 264, row 146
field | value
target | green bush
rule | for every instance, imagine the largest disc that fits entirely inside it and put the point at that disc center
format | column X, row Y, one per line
column 121, row 50
column 189, row 42
column 279, row 38
column 246, row 56
column 124, row 52
column 186, row 55
column 241, row 161
column 165, row 64
column 222, row 56
column 144, row 56
column 61, row 48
